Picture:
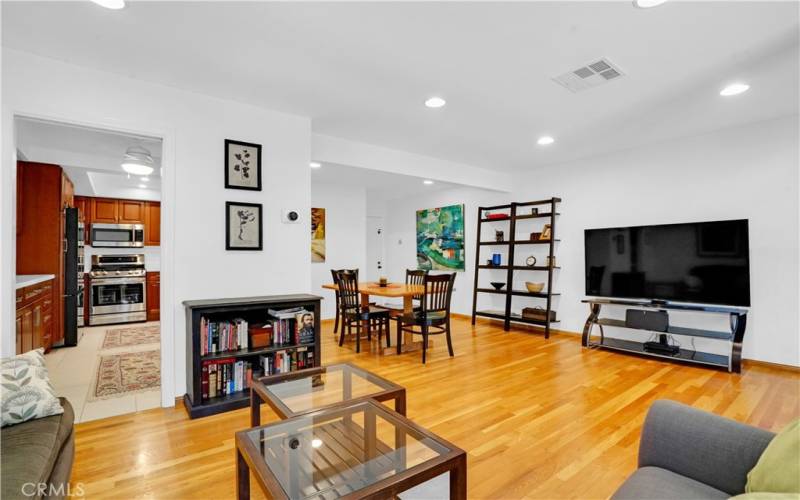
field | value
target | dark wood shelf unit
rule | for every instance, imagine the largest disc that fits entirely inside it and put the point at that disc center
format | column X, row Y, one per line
column 514, row 215
column 735, row 336
column 222, row 309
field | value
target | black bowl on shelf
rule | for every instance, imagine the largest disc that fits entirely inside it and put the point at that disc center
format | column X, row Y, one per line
column 498, row 285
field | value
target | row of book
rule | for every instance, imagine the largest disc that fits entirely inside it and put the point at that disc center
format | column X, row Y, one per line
column 287, row 361
column 225, row 376
column 292, row 326
column 220, row 336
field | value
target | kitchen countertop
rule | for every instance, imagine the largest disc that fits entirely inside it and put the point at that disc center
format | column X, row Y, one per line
column 24, row 280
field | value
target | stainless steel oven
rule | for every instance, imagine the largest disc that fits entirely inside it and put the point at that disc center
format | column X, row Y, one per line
column 117, row 235
column 118, row 288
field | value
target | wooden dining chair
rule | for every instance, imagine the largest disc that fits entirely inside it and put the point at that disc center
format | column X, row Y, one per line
column 354, row 314
column 413, row 277
column 335, row 275
column 433, row 317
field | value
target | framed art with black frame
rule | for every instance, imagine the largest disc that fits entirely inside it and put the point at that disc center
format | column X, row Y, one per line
column 243, row 226
column 242, row 165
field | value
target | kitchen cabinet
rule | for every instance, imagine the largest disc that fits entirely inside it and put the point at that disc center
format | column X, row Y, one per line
column 153, row 296
column 82, row 204
column 152, row 223
column 34, row 317
column 44, row 192
column 131, row 212
column 104, row 210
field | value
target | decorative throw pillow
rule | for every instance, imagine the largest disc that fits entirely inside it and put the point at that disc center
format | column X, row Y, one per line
column 778, row 468
column 27, row 393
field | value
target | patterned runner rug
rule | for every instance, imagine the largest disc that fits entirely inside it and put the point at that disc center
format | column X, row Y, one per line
column 134, row 335
column 126, row 373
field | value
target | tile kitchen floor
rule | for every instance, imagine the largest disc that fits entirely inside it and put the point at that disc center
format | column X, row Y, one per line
column 72, row 370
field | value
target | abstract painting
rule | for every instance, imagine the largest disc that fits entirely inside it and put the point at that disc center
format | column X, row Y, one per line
column 317, row 235
column 440, row 238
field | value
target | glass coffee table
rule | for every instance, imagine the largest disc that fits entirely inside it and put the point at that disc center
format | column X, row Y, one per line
column 352, row 450
column 296, row 393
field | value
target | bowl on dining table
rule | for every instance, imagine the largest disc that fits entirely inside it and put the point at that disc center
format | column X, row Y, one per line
column 534, row 287
column 497, row 284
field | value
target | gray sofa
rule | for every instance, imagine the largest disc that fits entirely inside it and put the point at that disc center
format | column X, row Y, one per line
column 35, row 452
column 688, row 453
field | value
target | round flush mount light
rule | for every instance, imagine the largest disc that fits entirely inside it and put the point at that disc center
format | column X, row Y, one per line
column 545, row 140
column 315, row 164
column 316, row 443
column 646, row 4
column 435, row 102
column 427, row 182
column 137, row 161
column 734, row 89
column 111, row 4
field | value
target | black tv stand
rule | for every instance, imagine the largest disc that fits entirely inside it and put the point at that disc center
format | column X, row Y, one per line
column 662, row 349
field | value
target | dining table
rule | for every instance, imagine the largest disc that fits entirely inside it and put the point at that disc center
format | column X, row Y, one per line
column 407, row 292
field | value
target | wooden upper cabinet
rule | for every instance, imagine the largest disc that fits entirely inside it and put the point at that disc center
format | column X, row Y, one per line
column 131, row 212
column 82, row 204
column 152, row 223
column 67, row 191
column 104, row 210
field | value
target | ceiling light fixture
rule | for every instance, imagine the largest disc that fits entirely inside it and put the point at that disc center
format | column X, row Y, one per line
column 435, row 102
column 145, row 179
column 545, row 140
column 427, row 182
column 315, row 164
column 734, row 89
column 316, row 443
column 142, row 186
column 646, row 4
column 111, row 4
column 137, row 161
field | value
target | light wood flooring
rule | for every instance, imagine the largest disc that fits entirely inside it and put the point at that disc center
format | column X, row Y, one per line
column 539, row 418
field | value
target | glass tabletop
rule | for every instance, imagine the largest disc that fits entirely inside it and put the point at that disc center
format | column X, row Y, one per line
column 327, row 386
column 341, row 450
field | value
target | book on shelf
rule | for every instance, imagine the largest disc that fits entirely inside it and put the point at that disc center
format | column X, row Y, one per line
column 287, row 360
column 292, row 326
column 222, row 336
column 220, row 377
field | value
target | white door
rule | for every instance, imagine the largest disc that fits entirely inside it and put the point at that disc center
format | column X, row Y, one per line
column 375, row 249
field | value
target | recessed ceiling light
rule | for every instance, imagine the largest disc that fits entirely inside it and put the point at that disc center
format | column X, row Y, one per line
column 111, row 4
column 734, row 89
column 145, row 179
column 427, row 182
column 315, row 164
column 646, row 4
column 545, row 140
column 142, row 186
column 435, row 102
column 316, row 443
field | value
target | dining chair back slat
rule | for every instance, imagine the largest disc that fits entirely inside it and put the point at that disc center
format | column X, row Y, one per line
column 439, row 288
column 347, row 281
column 416, row 277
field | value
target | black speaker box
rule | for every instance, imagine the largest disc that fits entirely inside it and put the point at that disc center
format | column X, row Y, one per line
column 656, row 321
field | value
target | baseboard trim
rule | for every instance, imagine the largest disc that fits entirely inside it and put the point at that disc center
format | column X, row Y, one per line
column 516, row 326
column 768, row 364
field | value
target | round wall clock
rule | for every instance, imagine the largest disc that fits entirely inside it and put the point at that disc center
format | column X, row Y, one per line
column 530, row 261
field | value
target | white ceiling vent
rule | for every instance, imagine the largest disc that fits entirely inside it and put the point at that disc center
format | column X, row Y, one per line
column 588, row 76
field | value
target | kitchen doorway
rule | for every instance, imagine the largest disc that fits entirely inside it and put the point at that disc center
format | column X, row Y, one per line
column 98, row 195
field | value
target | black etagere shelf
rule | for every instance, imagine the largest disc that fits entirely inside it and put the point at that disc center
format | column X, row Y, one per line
column 516, row 212
column 229, row 309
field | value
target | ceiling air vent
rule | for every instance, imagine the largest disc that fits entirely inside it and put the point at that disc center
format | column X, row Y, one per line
column 590, row 75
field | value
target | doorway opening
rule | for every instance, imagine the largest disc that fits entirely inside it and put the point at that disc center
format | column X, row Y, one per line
column 89, row 225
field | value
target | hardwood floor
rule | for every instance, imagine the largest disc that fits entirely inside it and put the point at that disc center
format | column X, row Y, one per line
column 539, row 418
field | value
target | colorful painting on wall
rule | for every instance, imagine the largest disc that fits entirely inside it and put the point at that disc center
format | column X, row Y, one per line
column 317, row 235
column 440, row 238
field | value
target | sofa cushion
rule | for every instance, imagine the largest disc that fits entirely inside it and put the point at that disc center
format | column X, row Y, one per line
column 660, row 484
column 778, row 468
column 29, row 451
column 27, row 393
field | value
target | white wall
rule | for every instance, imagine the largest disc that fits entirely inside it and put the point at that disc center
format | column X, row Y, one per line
column 194, row 262
column 345, row 236
column 746, row 172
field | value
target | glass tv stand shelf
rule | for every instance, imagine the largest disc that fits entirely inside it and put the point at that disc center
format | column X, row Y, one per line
column 735, row 336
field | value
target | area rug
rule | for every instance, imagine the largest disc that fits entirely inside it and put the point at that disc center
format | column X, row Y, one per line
column 130, row 336
column 126, row 373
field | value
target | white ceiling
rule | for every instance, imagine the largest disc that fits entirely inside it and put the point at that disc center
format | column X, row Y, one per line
column 90, row 157
column 379, row 185
column 363, row 70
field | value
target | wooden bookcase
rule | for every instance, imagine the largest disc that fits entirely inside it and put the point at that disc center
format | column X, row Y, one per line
column 252, row 309
column 517, row 212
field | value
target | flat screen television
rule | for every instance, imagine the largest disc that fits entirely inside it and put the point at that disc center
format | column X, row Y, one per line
column 700, row 262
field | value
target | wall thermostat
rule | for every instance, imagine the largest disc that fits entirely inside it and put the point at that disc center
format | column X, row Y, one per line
column 290, row 216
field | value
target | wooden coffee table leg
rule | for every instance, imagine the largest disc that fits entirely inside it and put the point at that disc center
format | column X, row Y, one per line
column 458, row 480
column 242, row 477
column 255, row 409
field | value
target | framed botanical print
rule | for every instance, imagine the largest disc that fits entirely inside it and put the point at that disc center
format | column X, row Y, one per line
column 243, row 226
column 242, row 165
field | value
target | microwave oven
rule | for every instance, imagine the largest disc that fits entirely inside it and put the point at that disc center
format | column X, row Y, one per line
column 117, row 235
